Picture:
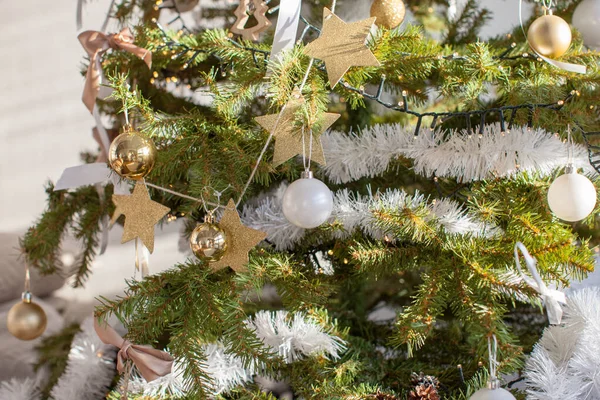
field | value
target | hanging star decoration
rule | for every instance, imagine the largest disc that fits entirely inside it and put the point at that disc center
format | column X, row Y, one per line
column 288, row 137
column 141, row 214
column 241, row 240
column 342, row 45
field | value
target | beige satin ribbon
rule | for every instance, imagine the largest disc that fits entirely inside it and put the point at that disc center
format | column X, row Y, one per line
column 551, row 298
column 96, row 44
column 151, row 363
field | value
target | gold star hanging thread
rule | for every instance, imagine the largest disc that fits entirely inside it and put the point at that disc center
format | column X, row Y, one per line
column 241, row 240
column 141, row 214
column 342, row 45
column 288, row 137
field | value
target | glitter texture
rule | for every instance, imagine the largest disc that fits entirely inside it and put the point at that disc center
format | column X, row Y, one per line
column 288, row 137
column 141, row 214
column 241, row 240
column 342, row 46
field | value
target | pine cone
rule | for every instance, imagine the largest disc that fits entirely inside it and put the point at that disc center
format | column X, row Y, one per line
column 425, row 387
column 423, row 392
column 384, row 396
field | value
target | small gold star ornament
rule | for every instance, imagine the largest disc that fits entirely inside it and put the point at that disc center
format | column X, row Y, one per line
column 258, row 9
column 342, row 45
column 241, row 240
column 141, row 214
column 288, row 137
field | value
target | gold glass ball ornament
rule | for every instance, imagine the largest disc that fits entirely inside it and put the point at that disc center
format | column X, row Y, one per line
column 389, row 13
column 549, row 35
column 26, row 320
column 208, row 241
column 131, row 155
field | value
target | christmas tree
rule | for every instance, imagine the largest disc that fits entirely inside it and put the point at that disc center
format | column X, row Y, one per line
column 352, row 197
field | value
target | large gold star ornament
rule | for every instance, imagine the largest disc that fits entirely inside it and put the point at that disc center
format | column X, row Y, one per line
column 141, row 214
column 342, row 46
column 288, row 137
column 241, row 240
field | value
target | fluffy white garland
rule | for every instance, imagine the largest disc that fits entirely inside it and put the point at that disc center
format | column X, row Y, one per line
column 20, row 389
column 293, row 337
column 565, row 364
column 354, row 211
column 461, row 156
column 90, row 368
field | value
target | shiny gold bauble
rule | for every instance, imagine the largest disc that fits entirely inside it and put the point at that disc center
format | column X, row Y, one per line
column 389, row 13
column 208, row 242
column 550, row 36
column 131, row 155
column 26, row 320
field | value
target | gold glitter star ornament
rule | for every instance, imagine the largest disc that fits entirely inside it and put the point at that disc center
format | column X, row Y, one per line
column 241, row 240
column 141, row 214
column 342, row 45
column 288, row 137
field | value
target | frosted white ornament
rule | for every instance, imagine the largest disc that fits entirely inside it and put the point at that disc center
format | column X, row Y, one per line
column 586, row 19
column 572, row 196
column 307, row 202
column 492, row 394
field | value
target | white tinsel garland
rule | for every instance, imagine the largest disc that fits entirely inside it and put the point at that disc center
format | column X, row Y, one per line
column 354, row 211
column 565, row 364
column 461, row 156
column 90, row 368
column 291, row 336
column 294, row 337
column 20, row 389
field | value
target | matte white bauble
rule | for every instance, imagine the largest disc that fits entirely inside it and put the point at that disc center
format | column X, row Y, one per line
column 492, row 394
column 572, row 197
column 586, row 19
column 307, row 202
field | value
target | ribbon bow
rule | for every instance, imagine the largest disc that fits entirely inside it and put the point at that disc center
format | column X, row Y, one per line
column 551, row 297
column 151, row 363
column 96, row 44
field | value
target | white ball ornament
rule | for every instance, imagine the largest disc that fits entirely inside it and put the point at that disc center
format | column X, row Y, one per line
column 586, row 19
column 307, row 202
column 572, row 197
column 492, row 394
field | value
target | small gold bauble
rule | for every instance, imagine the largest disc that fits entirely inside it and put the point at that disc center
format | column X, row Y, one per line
column 131, row 155
column 26, row 320
column 208, row 241
column 389, row 13
column 550, row 36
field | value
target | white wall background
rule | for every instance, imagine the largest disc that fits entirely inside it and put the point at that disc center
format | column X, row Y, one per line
column 44, row 126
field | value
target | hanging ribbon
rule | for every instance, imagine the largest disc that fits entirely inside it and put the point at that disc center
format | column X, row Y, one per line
column 142, row 258
column 151, row 363
column 96, row 174
column 577, row 68
column 493, row 359
column 550, row 297
column 286, row 29
column 96, row 44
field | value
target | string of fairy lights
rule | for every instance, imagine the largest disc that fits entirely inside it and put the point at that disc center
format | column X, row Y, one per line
column 261, row 59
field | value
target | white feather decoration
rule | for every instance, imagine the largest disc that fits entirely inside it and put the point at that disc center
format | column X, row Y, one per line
column 90, row 368
column 565, row 363
column 294, row 337
column 19, row 389
column 225, row 369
